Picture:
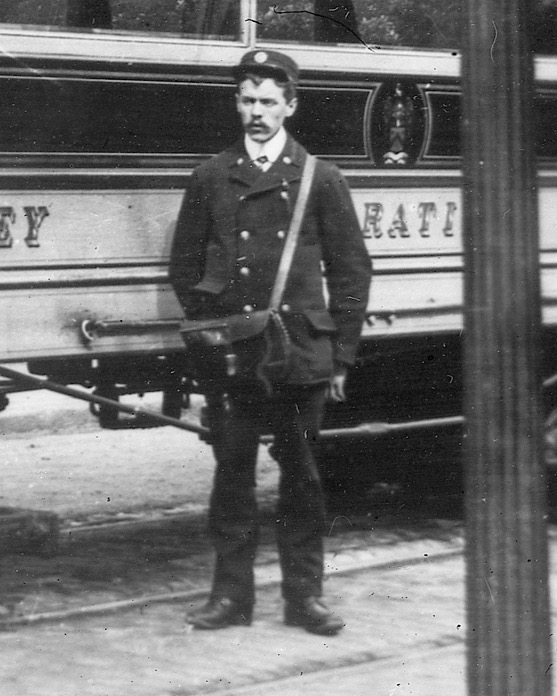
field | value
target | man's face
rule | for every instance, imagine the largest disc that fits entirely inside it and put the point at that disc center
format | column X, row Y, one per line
column 263, row 108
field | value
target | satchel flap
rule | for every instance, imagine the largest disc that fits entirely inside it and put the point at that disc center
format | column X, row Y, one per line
column 244, row 326
column 205, row 334
column 237, row 327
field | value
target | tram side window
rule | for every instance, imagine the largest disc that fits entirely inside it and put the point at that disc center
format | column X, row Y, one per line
column 416, row 23
column 212, row 19
column 434, row 24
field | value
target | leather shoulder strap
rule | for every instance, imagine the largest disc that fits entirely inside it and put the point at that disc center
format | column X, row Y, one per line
column 293, row 233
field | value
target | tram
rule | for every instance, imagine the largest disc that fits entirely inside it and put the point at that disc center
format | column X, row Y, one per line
column 106, row 106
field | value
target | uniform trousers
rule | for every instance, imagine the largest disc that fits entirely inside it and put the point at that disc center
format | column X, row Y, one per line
column 293, row 415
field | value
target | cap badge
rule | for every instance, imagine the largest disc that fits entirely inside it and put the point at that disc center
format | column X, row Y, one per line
column 260, row 57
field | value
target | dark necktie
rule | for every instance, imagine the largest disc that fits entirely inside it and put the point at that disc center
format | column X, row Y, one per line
column 261, row 161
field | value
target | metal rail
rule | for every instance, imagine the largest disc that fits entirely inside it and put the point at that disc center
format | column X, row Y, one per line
column 378, row 429
column 364, row 430
column 40, row 383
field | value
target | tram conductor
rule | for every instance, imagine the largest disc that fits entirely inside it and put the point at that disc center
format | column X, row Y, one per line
column 228, row 240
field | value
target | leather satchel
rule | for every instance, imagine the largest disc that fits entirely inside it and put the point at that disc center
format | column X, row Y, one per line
column 252, row 347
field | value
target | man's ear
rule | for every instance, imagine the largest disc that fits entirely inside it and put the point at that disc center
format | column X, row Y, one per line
column 291, row 107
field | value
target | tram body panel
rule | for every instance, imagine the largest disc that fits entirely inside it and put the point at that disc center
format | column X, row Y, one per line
column 68, row 257
column 72, row 256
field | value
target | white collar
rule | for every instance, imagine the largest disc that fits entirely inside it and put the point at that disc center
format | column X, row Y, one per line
column 272, row 148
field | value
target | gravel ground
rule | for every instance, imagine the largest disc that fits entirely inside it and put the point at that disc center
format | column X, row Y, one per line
column 131, row 505
column 55, row 457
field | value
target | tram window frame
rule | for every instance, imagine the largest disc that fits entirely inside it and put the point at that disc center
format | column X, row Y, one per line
column 166, row 49
column 164, row 46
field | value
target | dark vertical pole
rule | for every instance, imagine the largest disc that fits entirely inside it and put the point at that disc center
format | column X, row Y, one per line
column 507, row 583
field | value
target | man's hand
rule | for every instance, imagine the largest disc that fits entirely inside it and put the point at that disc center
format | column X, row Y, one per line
column 336, row 385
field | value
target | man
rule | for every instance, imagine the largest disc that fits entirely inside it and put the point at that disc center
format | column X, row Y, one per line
column 229, row 237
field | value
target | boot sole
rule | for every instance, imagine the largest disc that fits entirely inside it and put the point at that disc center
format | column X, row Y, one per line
column 236, row 620
column 321, row 629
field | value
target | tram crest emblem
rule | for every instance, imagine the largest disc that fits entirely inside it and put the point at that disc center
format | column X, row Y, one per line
column 397, row 126
column 398, row 118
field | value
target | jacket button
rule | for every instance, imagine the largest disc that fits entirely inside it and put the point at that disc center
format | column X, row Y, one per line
column 244, row 234
column 244, row 271
column 247, row 308
column 281, row 234
column 285, row 308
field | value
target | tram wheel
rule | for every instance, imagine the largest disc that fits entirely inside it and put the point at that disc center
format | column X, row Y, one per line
column 172, row 401
column 107, row 415
column 347, row 474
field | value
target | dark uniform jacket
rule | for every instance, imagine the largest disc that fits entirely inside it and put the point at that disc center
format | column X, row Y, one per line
column 229, row 237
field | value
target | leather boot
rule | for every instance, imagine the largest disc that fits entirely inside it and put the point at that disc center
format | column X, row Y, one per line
column 220, row 612
column 312, row 614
